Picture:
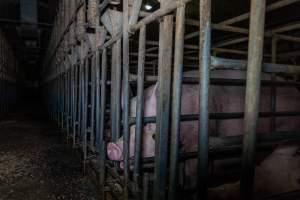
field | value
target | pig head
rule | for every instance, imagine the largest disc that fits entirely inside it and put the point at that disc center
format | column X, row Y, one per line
column 115, row 149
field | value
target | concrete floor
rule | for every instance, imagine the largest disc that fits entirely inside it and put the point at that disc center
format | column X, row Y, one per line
column 35, row 162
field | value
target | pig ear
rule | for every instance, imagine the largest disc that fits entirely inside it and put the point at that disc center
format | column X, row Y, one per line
column 114, row 152
column 154, row 94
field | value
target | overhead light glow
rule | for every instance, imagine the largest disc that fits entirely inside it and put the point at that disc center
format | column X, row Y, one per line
column 148, row 7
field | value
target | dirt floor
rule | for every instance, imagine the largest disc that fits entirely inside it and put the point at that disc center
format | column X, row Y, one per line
column 36, row 164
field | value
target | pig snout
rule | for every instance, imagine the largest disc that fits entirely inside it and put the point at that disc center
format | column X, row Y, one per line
column 114, row 151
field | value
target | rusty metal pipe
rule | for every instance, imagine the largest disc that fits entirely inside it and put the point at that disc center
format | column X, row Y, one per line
column 255, row 51
column 139, row 105
column 176, row 101
column 204, row 68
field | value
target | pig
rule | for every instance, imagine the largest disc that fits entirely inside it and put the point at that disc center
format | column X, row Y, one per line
column 222, row 99
column 278, row 173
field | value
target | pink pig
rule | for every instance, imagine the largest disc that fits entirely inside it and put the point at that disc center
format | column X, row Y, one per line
column 278, row 173
column 222, row 99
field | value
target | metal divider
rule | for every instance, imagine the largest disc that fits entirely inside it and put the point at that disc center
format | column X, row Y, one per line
column 176, row 102
column 126, row 102
column 204, row 68
column 163, row 106
column 139, row 107
column 102, row 139
column 255, row 52
column 79, row 92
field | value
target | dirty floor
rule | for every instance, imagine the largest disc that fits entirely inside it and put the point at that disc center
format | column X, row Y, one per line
column 36, row 164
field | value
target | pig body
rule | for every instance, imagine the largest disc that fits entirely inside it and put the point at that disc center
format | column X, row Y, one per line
column 278, row 173
column 222, row 99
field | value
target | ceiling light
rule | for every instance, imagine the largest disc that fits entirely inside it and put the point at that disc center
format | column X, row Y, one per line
column 148, row 7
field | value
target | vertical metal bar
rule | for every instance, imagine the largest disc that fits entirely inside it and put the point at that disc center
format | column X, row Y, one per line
column 118, row 87
column 61, row 97
column 273, row 89
column 72, row 99
column 255, row 53
column 176, row 101
column 116, row 90
column 76, row 100
column 126, row 102
column 80, row 95
column 145, row 186
column 204, row 66
column 92, row 110
column 139, row 105
column 112, row 99
column 85, row 108
column 67, row 101
column 163, row 107
column 98, row 99
column 102, row 122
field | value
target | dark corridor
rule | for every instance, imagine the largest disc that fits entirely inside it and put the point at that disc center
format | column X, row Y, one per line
column 35, row 162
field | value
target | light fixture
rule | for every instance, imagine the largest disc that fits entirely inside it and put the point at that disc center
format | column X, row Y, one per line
column 148, row 7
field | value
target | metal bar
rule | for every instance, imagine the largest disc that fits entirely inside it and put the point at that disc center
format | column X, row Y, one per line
column 231, row 82
column 103, row 5
column 145, row 186
column 139, row 105
column 204, row 67
column 271, row 7
column 285, row 28
column 118, row 87
column 112, row 99
column 163, row 105
column 230, row 42
column 73, row 101
column 85, row 109
column 232, row 145
column 221, row 116
column 176, row 101
column 116, row 90
column 255, row 51
column 273, row 89
column 223, row 63
column 68, row 103
column 232, row 51
column 102, row 145
column 126, row 135
column 93, row 94
column 135, row 12
column 92, row 13
column 76, row 104
column 98, row 99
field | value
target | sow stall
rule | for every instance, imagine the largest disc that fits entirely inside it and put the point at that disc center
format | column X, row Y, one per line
column 102, row 53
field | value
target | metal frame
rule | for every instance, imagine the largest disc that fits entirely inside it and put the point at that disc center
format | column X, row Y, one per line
column 87, row 84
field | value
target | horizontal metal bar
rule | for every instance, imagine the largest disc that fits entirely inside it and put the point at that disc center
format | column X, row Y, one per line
column 233, row 144
column 220, row 116
column 223, row 63
column 271, row 7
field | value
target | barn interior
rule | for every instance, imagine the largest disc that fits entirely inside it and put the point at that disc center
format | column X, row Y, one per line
column 149, row 99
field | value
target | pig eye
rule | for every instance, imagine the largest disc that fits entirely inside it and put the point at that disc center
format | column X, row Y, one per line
column 153, row 136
